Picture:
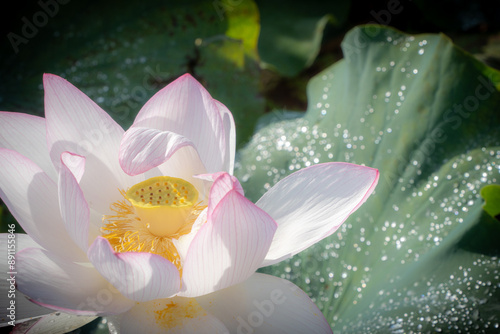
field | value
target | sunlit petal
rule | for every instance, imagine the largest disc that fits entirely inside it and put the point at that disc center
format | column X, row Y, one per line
column 311, row 204
column 229, row 247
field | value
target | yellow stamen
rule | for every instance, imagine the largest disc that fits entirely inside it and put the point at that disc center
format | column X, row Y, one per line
column 171, row 314
column 138, row 226
column 176, row 311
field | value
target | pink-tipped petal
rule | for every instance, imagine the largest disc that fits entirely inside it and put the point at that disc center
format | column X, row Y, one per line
column 312, row 203
column 144, row 148
column 78, row 125
column 230, row 137
column 14, row 126
column 54, row 323
column 174, row 316
column 75, row 211
column 228, row 248
column 266, row 304
column 24, row 310
column 70, row 287
column 222, row 184
column 186, row 108
column 138, row 276
column 32, row 198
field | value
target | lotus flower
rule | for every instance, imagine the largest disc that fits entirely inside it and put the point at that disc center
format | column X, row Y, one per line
column 148, row 227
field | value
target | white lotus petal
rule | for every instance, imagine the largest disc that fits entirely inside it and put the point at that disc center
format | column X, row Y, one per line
column 266, row 304
column 222, row 184
column 75, row 163
column 23, row 309
column 174, row 316
column 78, row 125
column 311, row 204
column 32, row 198
column 75, row 211
column 33, row 145
column 143, row 148
column 59, row 284
column 138, row 276
column 230, row 140
column 186, row 108
column 228, row 248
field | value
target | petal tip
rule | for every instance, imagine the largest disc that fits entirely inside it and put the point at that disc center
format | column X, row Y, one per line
column 187, row 79
column 186, row 76
column 49, row 77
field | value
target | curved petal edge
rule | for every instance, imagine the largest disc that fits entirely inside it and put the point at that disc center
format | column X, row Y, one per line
column 313, row 203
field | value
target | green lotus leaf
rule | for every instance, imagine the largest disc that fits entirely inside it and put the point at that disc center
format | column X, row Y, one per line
column 420, row 255
column 291, row 33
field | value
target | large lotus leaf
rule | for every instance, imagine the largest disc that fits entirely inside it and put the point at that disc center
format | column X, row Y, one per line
column 421, row 254
column 120, row 53
column 291, row 33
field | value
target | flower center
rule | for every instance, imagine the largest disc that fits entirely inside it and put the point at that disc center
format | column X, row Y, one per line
column 154, row 212
column 163, row 202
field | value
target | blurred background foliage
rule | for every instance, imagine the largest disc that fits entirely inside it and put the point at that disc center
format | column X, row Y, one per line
column 258, row 57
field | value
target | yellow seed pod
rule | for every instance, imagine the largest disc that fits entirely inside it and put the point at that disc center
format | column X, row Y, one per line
column 163, row 203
